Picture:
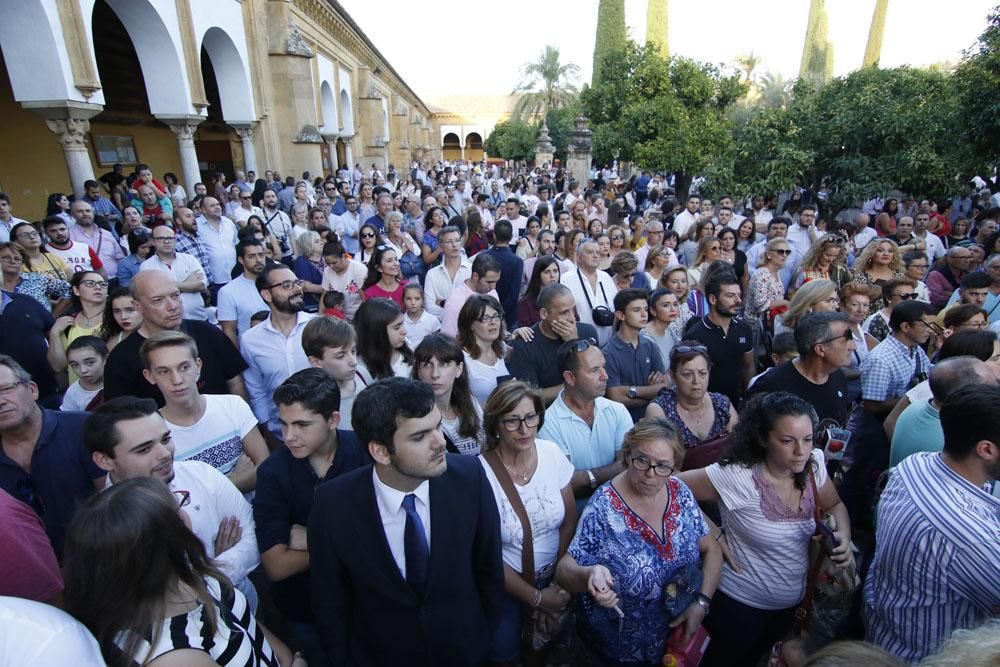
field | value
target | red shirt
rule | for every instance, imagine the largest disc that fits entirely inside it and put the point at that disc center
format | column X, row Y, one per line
column 28, row 567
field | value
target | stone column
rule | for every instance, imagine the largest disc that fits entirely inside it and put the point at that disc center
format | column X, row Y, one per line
column 70, row 122
column 579, row 155
column 245, row 133
column 348, row 153
column 544, row 150
column 184, row 128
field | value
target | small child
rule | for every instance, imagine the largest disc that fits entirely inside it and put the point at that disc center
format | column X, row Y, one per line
column 333, row 304
column 86, row 356
column 782, row 349
column 259, row 317
column 417, row 322
column 329, row 343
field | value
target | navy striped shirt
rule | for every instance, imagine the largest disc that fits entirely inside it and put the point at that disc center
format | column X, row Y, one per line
column 937, row 560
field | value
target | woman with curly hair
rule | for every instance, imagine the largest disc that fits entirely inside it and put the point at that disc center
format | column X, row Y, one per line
column 826, row 259
column 768, row 487
column 879, row 262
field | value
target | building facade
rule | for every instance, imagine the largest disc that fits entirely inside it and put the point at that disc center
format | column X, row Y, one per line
column 194, row 87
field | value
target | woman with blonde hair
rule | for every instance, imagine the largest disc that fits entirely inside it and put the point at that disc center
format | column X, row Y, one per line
column 827, row 259
column 619, row 239
column 816, row 296
column 878, row 263
column 657, row 260
column 766, row 293
column 709, row 250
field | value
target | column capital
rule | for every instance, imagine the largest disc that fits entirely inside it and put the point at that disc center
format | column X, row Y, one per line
column 183, row 126
column 70, row 132
column 244, row 130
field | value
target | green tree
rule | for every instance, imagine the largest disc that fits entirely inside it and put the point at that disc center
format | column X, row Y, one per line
column 978, row 81
column 545, row 85
column 611, row 33
column 667, row 117
column 512, row 140
column 817, row 50
column 873, row 49
column 657, row 26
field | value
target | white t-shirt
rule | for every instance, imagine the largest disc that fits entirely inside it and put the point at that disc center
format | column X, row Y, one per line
column 35, row 633
column 182, row 267
column 483, row 377
column 400, row 369
column 416, row 331
column 770, row 545
column 349, row 284
column 216, row 438
column 542, row 500
column 238, row 301
column 346, row 405
column 76, row 398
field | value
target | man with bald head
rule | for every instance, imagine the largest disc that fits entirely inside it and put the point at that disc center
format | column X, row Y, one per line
column 218, row 234
column 101, row 241
column 158, row 300
column 863, row 233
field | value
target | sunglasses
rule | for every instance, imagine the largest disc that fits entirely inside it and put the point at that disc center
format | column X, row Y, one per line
column 906, row 295
column 367, row 235
column 783, row 251
column 846, row 337
column 688, row 349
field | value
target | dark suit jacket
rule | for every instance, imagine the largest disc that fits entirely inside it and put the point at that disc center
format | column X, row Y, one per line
column 367, row 614
column 509, row 285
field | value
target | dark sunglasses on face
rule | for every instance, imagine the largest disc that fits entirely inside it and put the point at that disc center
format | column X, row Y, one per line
column 906, row 295
column 367, row 235
column 783, row 251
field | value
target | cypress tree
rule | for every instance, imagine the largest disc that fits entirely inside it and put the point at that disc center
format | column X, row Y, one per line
column 873, row 49
column 611, row 33
column 657, row 22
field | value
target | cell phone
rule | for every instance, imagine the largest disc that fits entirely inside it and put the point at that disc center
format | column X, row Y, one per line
column 830, row 541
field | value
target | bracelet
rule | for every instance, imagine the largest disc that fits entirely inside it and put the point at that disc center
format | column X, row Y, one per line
column 538, row 599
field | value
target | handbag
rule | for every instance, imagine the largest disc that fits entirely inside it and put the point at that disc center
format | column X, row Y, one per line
column 603, row 316
column 410, row 265
column 533, row 640
column 707, row 452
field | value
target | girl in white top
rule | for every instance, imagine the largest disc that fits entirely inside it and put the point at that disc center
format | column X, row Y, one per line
column 417, row 321
column 440, row 362
column 481, row 332
column 381, row 335
column 767, row 503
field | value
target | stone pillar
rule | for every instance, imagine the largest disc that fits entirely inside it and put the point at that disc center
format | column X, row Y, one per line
column 184, row 128
column 245, row 133
column 348, row 153
column 70, row 122
column 580, row 153
column 544, row 150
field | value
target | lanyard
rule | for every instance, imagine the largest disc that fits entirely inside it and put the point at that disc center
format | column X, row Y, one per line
column 586, row 292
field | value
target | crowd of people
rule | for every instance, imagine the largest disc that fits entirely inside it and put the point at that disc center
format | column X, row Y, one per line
column 475, row 414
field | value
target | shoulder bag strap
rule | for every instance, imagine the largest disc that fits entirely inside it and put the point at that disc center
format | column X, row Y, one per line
column 507, row 484
column 803, row 613
column 586, row 292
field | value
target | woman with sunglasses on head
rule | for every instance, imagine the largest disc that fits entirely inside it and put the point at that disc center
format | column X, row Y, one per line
column 826, row 259
column 766, row 293
column 517, row 462
column 481, row 333
column 879, row 262
column 85, row 318
column 701, row 415
column 385, row 279
column 440, row 362
column 143, row 584
column 368, row 240
column 381, row 335
column 640, row 538
column 895, row 291
column 768, row 486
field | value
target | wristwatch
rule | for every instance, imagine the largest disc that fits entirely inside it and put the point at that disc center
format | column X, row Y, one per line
column 632, row 392
column 593, row 480
column 703, row 601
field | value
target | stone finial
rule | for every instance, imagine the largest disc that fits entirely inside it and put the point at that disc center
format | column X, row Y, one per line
column 309, row 134
column 295, row 43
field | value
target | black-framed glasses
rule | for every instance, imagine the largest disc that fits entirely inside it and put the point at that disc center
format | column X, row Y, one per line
column 183, row 498
column 512, row 424
column 164, row 238
column 287, row 284
column 783, row 251
column 94, row 283
column 642, row 464
column 32, row 234
column 846, row 337
column 490, row 319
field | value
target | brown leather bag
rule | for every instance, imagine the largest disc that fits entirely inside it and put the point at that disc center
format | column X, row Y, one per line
column 707, row 452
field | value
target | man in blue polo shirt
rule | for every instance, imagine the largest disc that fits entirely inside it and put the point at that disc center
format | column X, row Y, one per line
column 511, row 268
column 43, row 461
column 587, row 427
column 315, row 451
column 636, row 370
column 383, row 204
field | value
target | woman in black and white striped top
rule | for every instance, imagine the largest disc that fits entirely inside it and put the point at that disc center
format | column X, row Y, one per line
column 142, row 582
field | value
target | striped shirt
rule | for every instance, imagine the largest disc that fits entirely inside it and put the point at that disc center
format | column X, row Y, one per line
column 238, row 640
column 937, row 559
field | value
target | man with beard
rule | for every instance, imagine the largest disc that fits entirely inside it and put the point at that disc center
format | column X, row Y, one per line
column 158, row 299
column 240, row 299
column 278, row 223
column 100, row 240
column 128, row 438
column 729, row 342
column 186, row 239
column 274, row 347
column 77, row 255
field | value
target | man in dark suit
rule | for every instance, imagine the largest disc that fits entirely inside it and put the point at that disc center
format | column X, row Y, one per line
column 405, row 556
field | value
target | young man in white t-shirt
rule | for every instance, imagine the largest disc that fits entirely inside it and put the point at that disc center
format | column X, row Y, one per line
column 220, row 430
column 344, row 275
column 329, row 343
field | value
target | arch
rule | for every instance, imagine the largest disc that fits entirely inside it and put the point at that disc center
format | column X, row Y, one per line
column 30, row 52
column 235, row 93
column 161, row 64
column 329, row 109
column 473, row 140
column 451, row 147
column 347, row 112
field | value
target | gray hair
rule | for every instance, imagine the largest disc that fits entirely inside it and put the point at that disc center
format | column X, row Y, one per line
column 393, row 215
column 20, row 375
column 813, row 329
column 303, row 244
column 550, row 293
column 299, row 207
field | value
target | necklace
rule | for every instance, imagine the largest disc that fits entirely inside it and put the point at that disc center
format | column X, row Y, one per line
column 696, row 414
column 522, row 475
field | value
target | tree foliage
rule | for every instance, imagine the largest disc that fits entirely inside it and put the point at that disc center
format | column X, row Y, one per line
column 978, row 78
column 657, row 26
column 611, row 33
column 515, row 139
column 546, row 84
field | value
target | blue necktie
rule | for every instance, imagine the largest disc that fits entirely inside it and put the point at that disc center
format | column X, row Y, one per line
column 415, row 547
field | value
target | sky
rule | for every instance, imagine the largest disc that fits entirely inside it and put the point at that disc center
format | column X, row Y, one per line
column 481, row 49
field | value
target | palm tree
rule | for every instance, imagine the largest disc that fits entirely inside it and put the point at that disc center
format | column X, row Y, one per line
column 546, row 84
column 775, row 91
column 748, row 62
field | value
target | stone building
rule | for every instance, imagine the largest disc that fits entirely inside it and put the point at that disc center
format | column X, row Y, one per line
column 195, row 87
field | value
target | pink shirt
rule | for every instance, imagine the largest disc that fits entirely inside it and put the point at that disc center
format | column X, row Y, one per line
column 375, row 292
column 453, row 306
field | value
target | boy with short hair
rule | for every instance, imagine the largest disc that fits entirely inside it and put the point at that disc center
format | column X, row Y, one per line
column 86, row 356
column 329, row 343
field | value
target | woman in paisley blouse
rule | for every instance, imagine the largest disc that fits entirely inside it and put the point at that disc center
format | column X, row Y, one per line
column 642, row 560
column 766, row 294
column 39, row 286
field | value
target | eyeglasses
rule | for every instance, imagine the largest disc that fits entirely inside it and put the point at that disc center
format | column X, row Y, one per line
column 11, row 260
column 617, row 237
column 8, row 389
column 783, row 251
column 918, row 266
column 834, row 239
column 287, row 284
column 688, row 349
column 906, row 295
column 183, row 498
column 367, row 235
column 94, row 283
column 582, row 345
column 930, row 325
column 490, row 319
column 28, row 235
column 846, row 337
column 642, row 464
column 512, row 424
column 164, row 238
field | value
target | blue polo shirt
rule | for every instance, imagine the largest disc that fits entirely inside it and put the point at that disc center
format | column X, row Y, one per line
column 284, row 497
column 62, row 473
column 587, row 447
column 378, row 223
column 630, row 366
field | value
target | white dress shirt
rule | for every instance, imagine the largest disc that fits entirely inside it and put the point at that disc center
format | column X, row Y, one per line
column 390, row 508
column 604, row 295
column 438, row 285
column 220, row 245
column 272, row 358
column 180, row 268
